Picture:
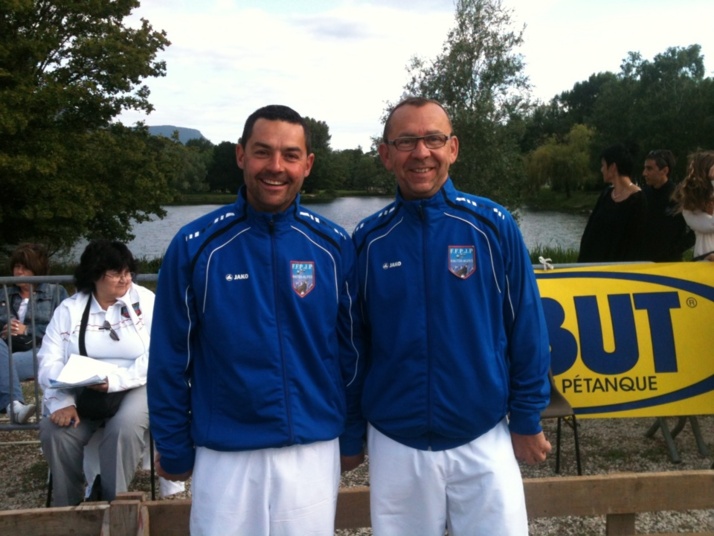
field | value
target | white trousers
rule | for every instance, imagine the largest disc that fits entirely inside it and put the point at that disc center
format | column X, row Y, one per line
column 474, row 489
column 285, row 491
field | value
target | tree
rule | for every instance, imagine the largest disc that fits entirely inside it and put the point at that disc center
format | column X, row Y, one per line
column 197, row 157
column 479, row 78
column 323, row 174
column 562, row 166
column 666, row 103
column 223, row 174
column 66, row 70
column 663, row 103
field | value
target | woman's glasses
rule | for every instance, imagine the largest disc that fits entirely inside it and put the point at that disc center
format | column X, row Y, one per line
column 113, row 334
column 118, row 276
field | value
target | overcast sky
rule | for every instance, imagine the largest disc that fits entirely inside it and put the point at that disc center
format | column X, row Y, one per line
column 341, row 61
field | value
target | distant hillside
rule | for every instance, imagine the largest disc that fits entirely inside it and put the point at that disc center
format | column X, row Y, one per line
column 167, row 131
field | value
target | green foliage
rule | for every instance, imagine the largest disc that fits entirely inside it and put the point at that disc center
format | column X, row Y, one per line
column 223, row 174
column 361, row 171
column 556, row 255
column 66, row 70
column 479, row 78
column 665, row 103
column 193, row 161
column 564, row 166
column 323, row 176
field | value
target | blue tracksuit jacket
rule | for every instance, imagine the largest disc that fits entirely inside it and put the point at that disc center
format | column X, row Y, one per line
column 255, row 340
column 456, row 334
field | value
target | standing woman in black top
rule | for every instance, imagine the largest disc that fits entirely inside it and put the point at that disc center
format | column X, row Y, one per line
column 616, row 225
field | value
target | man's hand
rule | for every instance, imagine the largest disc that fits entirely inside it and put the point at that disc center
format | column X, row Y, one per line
column 347, row 463
column 531, row 449
column 169, row 476
column 66, row 417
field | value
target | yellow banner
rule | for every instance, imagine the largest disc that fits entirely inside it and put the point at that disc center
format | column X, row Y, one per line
column 632, row 340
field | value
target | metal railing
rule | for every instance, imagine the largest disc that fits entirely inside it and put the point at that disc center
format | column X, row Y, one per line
column 7, row 282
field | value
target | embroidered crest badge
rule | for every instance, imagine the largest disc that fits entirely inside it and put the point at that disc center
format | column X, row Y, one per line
column 137, row 310
column 303, row 277
column 462, row 261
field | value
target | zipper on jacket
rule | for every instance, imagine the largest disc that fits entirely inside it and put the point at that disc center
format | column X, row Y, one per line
column 276, row 288
column 425, row 275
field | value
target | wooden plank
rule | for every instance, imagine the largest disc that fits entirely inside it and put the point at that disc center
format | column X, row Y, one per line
column 635, row 493
column 353, row 508
column 131, row 496
column 620, row 525
column 124, row 517
column 75, row 520
column 169, row 517
column 144, row 526
column 617, row 496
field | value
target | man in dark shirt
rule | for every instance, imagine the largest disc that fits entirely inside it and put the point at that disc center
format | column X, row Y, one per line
column 667, row 236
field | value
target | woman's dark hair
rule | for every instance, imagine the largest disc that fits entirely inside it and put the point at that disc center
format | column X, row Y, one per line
column 98, row 257
column 31, row 256
column 621, row 156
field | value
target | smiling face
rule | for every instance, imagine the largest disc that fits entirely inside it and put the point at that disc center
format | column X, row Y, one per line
column 275, row 163
column 421, row 172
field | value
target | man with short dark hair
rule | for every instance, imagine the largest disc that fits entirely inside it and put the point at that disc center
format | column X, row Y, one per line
column 255, row 349
column 667, row 236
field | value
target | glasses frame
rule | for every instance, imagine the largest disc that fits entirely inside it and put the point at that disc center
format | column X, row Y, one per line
column 409, row 143
column 119, row 277
column 108, row 327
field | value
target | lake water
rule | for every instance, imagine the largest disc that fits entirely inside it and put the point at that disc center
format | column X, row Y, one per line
column 540, row 229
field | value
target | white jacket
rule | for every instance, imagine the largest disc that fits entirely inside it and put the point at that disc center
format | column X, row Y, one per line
column 130, row 318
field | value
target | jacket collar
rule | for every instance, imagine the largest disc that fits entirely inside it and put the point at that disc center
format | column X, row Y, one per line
column 447, row 191
column 266, row 219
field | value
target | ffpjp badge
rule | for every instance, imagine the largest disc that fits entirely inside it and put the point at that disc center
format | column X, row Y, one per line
column 462, row 261
column 303, row 277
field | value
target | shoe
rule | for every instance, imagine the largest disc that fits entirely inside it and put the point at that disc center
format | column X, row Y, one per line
column 23, row 412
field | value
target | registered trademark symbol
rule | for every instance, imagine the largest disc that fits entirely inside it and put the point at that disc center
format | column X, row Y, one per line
column 692, row 302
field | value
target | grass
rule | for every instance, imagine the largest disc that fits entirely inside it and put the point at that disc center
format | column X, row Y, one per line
column 557, row 255
column 578, row 202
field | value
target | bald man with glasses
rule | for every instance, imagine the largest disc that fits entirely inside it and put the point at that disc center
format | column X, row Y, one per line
column 457, row 346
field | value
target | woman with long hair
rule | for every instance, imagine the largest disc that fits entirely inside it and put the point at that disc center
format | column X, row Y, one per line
column 695, row 199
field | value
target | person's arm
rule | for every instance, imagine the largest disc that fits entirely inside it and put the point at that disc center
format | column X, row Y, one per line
column 350, row 336
column 169, row 362
column 57, row 294
column 699, row 221
column 528, row 344
column 531, row 449
column 52, row 357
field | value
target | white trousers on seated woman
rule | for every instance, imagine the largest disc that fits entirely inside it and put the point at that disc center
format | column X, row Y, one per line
column 120, row 450
column 475, row 489
column 287, row 491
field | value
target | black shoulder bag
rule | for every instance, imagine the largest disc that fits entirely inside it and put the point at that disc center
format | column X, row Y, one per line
column 93, row 404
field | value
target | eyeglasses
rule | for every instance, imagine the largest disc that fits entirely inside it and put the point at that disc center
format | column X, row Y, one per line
column 409, row 143
column 107, row 326
column 118, row 276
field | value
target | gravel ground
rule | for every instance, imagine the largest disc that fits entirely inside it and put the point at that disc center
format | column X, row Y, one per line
column 607, row 446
